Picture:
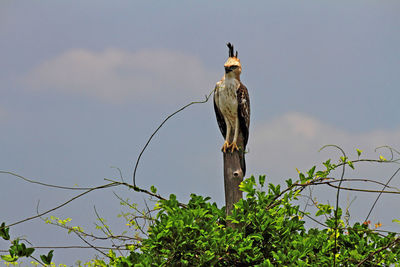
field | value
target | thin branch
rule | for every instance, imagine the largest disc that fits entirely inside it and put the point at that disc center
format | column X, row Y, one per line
column 61, row 205
column 90, row 244
column 308, row 199
column 145, row 216
column 333, row 180
column 159, row 127
column 337, row 198
column 149, row 211
column 370, row 255
column 313, row 219
column 391, row 149
column 37, row 260
column 137, row 189
column 43, row 184
column 364, row 180
column 124, row 201
column 360, row 190
column 300, row 188
column 314, row 204
column 120, row 173
column 396, row 161
column 383, row 189
column 121, row 247
column 70, row 229
column 108, row 233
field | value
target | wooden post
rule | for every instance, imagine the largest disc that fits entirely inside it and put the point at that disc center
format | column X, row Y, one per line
column 233, row 176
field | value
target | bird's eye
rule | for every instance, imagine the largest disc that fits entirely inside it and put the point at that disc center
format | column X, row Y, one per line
column 230, row 68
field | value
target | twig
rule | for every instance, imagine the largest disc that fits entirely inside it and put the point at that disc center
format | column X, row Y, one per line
column 337, row 198
column 158, row 128
column 394, row 242
column 37, row 260
column 396, row 161
column 360, row 190
column 390, row 149
column 120, row 173
column 108, row 233
column 315, row 220
column 121, row 247
column 144, row 191
column 70, row 229
column 363, row 180
column 315, row 205
column 43, row 184
column 308, row 199
column 383, row 189
column 145, row 216
column 90, row 244
column 62, row 205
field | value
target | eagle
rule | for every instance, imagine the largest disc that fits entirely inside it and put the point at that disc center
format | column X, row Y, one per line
column 232, row 108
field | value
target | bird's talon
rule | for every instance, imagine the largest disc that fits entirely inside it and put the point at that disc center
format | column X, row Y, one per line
column 225, row 146
column 234, row 147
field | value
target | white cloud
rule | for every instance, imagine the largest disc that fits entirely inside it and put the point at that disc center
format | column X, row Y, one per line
column 115, row 75
column 293, row 140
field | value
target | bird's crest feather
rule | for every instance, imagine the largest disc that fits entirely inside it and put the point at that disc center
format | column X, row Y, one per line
column 232, row 50
column 233, row 57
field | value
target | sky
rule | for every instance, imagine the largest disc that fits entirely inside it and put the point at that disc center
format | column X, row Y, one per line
column 83, row 85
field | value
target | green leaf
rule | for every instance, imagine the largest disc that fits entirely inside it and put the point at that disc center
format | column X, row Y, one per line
column 256, row 236
column 47, row 259
column 323, row 209
column 327, row 163
column 302, row 177
column 9, row 258
column 311, row 172
column 247, row 185
column 359, row 151
column 4, row 231
column 261, row 180
column 21, row 250
column 172, row 197
column 350, row 163
column 396, row 221
column 29, row 252
column 44, row 259
column 153, row 189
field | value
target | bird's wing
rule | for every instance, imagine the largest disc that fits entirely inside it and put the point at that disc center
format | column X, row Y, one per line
column 243, row 111
column 218, row 114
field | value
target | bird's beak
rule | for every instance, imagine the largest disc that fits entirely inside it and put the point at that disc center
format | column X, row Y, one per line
column 228, row 69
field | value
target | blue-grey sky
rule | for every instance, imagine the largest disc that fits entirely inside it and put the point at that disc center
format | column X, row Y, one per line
column 85, row 83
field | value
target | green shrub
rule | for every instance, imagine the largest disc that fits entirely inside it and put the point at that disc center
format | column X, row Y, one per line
column 270, row 232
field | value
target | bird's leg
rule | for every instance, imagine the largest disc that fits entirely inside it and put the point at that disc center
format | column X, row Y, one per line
column 228, row 133
column 235, row 137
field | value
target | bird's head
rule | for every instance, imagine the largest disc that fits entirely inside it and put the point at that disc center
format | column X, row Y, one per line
column 233, row 68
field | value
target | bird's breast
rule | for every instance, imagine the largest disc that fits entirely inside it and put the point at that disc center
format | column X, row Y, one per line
column 227, row 100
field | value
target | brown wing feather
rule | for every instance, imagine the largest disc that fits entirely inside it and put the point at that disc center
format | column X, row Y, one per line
column 244, row 111
column 220, row 119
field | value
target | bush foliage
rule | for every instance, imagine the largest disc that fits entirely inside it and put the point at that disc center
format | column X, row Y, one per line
column 269, row 230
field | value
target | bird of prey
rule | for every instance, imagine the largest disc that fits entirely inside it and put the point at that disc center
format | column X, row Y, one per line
column 232, row 107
